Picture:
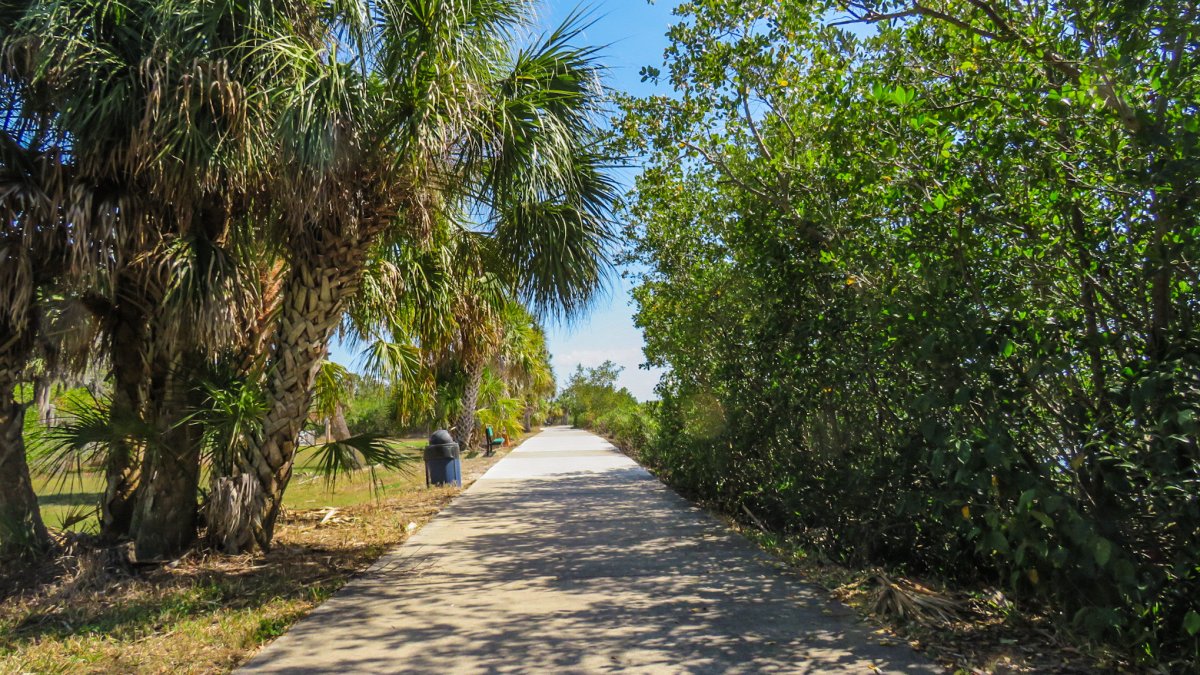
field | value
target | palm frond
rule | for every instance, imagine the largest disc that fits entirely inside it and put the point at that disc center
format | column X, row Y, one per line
column 85, row 431
column 371, row 452
column 231, row 416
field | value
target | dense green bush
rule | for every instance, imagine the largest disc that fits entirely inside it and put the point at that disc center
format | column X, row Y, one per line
column 373, row 413
column 631, row 427
column 928, row 297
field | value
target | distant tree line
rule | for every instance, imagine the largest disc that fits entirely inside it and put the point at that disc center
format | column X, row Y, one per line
column 590, row 399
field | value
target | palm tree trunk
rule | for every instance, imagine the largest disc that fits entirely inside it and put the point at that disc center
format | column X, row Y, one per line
column 337, row 424
column 21, row 526
column 313, row 297
column 164, row 522
column 121, row 475
column 165, row 515
column 120, row 492
column 340, row 431
column 464, row 427
column 43, row 400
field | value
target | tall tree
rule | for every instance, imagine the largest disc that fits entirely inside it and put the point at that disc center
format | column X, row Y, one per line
column 190, row 81
column 39, row 247
column 445, row 112
column 940, row 265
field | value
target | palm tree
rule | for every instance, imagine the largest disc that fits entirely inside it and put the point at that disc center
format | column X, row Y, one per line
column 517, row 379
column 39, row 246
column 164, row 105
column 430, row 112
column 451, row 321
column 332, row 390
column 498, row 332
column 524, row 358
column 347, row 130
column 22, row 182
column 21, row 526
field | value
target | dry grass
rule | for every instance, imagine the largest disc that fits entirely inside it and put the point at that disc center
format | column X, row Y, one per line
column 206, row 613
column 968, row 632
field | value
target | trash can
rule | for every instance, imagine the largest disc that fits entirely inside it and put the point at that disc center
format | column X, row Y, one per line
column 443, row 465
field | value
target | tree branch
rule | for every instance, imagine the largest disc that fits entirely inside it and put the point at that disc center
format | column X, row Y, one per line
column 726, row 172
column 1108, row 93
column 871, row 16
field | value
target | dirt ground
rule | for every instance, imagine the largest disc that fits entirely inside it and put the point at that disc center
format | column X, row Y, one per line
column 206, row 612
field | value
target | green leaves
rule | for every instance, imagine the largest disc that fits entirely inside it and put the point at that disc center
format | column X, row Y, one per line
column 897, row 95
column 922, row 274
column 361, row 453
column 1191, row 622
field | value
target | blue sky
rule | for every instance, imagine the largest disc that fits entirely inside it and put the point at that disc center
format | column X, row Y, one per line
column 634, row 32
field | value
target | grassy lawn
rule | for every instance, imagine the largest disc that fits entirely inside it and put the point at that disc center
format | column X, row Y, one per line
column 208, row 613
column 309, row 490
column 67, row 498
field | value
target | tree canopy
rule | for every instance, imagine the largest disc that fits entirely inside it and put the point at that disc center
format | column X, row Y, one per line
column 924, row 278
column 216, row 185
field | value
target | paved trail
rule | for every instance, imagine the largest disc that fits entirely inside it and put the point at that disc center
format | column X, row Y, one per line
column 568, row 557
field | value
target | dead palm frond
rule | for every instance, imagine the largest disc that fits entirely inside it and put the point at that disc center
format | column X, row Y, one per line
column 906, row 600
column 230, row 510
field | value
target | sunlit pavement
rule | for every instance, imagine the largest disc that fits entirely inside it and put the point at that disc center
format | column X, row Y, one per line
column 568, row 557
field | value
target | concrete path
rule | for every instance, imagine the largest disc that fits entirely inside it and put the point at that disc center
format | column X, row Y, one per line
column 568, row 557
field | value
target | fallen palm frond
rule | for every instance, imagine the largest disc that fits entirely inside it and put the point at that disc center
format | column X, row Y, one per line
column 906, row 600
column 96, row 569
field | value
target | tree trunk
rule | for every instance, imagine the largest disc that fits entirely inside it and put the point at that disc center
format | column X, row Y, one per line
column 339, row 431
column 43, row 400
column 313, row 297
column 464, row 427
column 230, row 511
column 130, row 374
column 120, row 494
column 165, row 519
column 338, row 427
column 21, row 526
column 165, row 516
column 1159, row 267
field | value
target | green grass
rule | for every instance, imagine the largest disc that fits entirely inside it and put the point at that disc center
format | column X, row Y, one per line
column 68, row 497
column 310, row 490
column 208, row 613
column 63, row 497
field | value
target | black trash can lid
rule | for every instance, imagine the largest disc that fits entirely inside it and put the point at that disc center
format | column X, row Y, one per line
column 441, row 437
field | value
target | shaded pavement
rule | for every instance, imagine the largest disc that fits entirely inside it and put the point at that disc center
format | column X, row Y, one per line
column 567, row 556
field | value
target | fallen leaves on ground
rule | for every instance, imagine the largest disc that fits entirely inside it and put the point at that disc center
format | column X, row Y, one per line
column 89, row 611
